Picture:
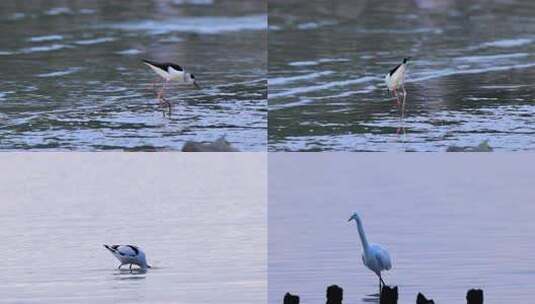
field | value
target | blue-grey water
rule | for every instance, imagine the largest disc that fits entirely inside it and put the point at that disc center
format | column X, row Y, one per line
column 72, row 78
column 200, row 220
column 449, row 223
column 471, row 77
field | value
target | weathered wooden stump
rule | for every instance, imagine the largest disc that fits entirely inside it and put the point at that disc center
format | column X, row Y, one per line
column 421, row 299
column 474, row 296
column 389, row 295
column 291, row 299
column 335, row 294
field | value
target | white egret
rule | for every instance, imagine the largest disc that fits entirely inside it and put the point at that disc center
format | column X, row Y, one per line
column 374, row 256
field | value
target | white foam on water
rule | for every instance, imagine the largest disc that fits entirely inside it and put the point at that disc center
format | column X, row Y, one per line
column 129, row 52
column 201, row 25
column 172, row 39
column 87, row 11
column 285, row 80
column 366, row 90
column 45, row 38
column 290, row 105
column 59, row 73
column 490, row 57
column 46, row 48
column 324, row 60
column 401, row 31
column 302, row 90
column 95, row 41
column 4, row 94
column 314, row 25
column 193, row 2
column 504, row 86
column 507, row 43
column 17, row 16
column 58, row 11
column 303, row 63
column 450, row 72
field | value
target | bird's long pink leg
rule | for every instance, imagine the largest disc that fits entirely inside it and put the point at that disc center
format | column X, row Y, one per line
column 154, row 84
column 396, row 95
column 160, row 93
column 404, row 99
column 161, row 98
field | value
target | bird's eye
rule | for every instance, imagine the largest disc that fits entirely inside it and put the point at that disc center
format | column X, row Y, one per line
column 192, row 77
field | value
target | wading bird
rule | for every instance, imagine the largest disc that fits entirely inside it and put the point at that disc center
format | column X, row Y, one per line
column 396, row 77
column 128, row 254
column 374, row 256
column 170, row 72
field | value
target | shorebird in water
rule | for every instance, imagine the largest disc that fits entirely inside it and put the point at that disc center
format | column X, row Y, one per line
column 170, row 72
column 128, row 254
column 395, row 79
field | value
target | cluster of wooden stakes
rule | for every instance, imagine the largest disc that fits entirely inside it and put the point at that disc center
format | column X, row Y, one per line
column 389, row 295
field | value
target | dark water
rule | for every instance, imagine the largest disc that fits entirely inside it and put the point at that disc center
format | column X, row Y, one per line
column 72, row 77
column 471, row 78
column 203, row 234
column 449, row 223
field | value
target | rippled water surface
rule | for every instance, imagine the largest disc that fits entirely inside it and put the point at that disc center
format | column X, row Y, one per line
column 203, row 228
column 450, row 224
column 72, row 77
column 471, row 78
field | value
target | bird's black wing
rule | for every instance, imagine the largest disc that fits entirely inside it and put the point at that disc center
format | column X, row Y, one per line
column 174, row 66
column 136, row 251
column 164, row 66
column 394, row 70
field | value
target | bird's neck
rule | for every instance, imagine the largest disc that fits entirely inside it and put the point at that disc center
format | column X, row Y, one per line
column 362, row 235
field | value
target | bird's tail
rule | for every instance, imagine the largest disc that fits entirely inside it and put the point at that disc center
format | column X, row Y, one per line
column 149, row 62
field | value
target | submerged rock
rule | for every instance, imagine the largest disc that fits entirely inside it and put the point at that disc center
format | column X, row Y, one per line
column 291, row 299
column 220, row 145
column 389, row 295
column 482, row 147
column 335, row 294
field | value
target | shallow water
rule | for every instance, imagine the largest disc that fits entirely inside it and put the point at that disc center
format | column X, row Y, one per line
column 73, row 79
column 449, row 223
column 204, row 234
column 471, row 78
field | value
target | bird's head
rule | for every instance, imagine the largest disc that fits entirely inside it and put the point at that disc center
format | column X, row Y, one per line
column 192, row 80
column 143, row 260
column 355, row 217
column 406, row 59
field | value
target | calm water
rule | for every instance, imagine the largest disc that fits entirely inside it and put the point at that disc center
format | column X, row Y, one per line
column 72, row 77
column 447, row 229
column 471, row 78
column 204, row 234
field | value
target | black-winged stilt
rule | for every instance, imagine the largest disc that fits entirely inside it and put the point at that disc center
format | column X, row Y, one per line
column 170, row 72
column 128, row 254
column 396, row 77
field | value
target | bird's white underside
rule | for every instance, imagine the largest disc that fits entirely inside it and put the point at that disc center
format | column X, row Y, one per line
column 396, row 80
column 377, row 259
